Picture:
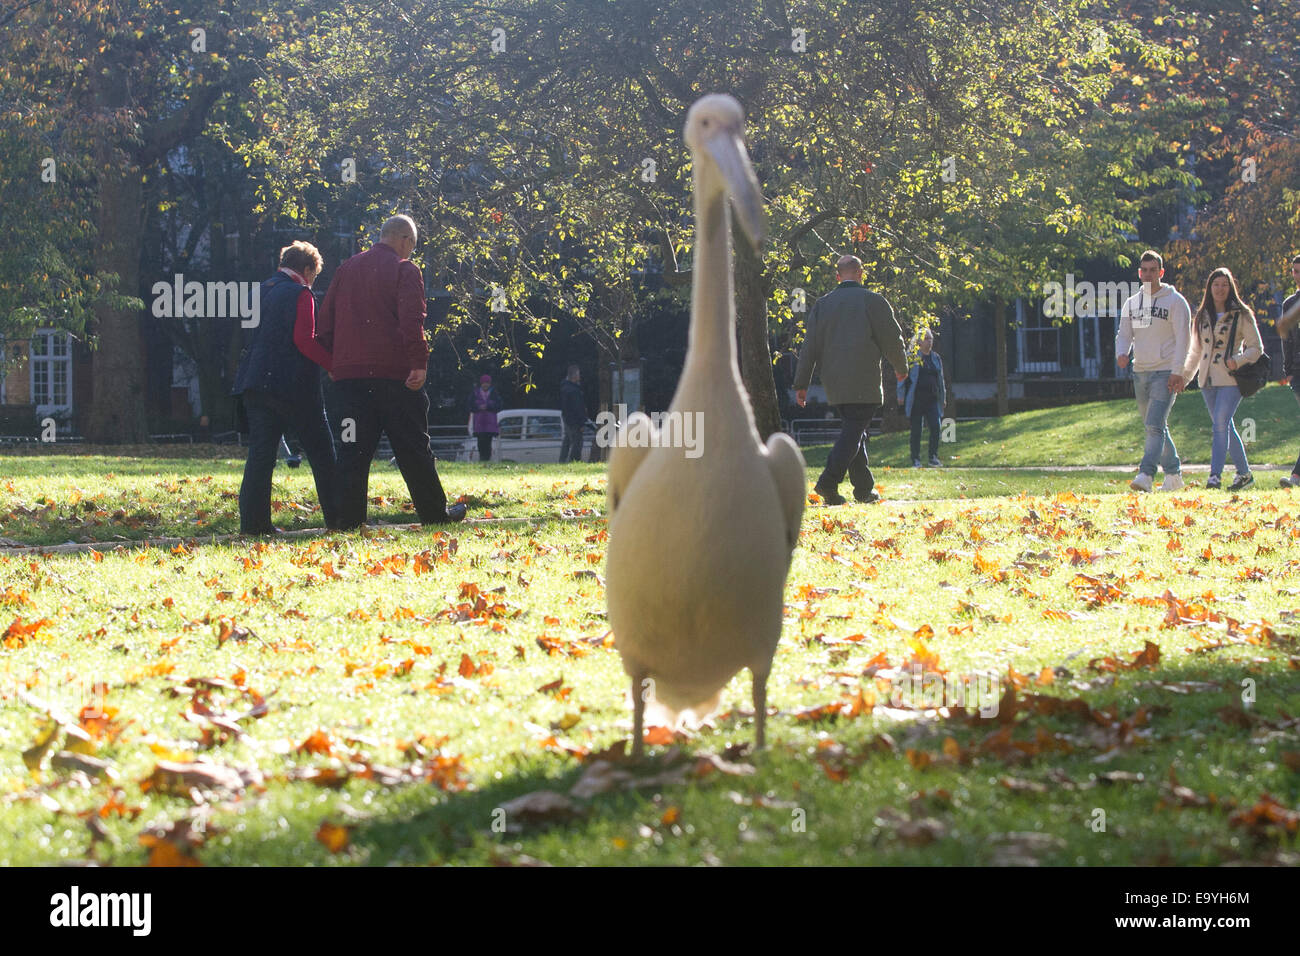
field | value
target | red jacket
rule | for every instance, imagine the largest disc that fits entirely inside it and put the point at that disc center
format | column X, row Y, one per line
column 372, row 319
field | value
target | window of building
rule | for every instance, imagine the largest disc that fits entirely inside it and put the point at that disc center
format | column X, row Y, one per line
column 1038, row 341
column 50, row 359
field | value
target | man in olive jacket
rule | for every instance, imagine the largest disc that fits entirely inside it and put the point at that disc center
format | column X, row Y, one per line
column 849, row 331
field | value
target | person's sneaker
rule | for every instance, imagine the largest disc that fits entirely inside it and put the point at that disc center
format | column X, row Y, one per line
column 1141, row 483
column 829, row 495
column 1241, row 482
column 1212, row 482
column 1289, row 481
column 916, row 463
column 1172, row 482
column 935, row 462
column 866, row 497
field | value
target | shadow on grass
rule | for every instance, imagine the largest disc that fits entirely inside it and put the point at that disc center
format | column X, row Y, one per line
column 926, row 792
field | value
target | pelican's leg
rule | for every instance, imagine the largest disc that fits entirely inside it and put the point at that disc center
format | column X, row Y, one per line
column 760, row 708
column 638, row 715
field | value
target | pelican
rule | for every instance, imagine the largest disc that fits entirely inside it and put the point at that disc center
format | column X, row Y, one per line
column 700, row 545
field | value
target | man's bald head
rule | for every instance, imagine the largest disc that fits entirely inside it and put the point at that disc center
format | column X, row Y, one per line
column 397, row 227
column 849, row 267
column 400, row 233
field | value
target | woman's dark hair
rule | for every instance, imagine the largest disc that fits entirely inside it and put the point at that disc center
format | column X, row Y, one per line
column 1205, row 311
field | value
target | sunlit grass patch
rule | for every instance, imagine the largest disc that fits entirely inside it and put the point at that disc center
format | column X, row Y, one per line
column 381, row 698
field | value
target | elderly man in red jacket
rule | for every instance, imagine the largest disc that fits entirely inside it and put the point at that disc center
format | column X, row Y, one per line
column 372, row 320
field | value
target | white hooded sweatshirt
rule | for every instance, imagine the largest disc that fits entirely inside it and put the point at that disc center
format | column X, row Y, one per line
column 1157, row 328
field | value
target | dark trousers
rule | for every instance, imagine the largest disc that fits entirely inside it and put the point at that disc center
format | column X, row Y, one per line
column 268, row 419
column 1295, row 387
column 849, row 453
column 571, row 444
column 366, row 409
column 927, row 412
column 485, row 445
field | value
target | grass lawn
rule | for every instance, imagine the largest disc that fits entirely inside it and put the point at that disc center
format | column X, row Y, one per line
column 411, row 696
column 1109, row 433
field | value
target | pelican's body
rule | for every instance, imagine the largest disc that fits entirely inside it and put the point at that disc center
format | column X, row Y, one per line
column 700, row 547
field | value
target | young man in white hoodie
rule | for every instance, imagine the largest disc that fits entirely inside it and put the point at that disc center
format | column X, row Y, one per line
column 1156, row 325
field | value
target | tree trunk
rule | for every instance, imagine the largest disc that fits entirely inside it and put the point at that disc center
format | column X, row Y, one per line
column 1000, row 347
column 117, row 413
column 755, row 351
column 605, row 390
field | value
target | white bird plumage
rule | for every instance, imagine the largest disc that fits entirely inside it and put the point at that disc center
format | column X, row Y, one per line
column 700, row 547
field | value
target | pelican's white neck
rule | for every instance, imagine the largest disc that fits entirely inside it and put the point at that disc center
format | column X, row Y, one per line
column 713, row 312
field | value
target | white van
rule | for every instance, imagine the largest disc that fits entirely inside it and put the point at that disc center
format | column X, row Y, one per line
column 531, row 435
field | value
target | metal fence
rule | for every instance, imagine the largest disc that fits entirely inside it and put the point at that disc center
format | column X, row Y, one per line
column 824, row 431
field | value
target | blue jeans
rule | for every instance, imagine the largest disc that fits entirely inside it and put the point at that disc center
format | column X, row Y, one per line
column 1155, row 402
column 1295, row 388
column 1221, row 401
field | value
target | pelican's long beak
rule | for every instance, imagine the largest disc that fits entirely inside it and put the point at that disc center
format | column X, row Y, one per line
column 728, row 151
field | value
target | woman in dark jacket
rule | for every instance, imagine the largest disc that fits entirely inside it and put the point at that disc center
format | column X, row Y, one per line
column 279, row 380
column 923, row 395
column 484, row 403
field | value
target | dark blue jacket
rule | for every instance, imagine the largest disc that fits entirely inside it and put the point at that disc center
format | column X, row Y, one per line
column 271, row 363
column 573, row 407
column 907, row 387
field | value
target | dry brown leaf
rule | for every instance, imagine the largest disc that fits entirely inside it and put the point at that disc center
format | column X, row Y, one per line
column 333, row 836
column 540, row 806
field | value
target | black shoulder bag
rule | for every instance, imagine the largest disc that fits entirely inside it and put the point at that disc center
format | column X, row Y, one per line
column 1250, row 378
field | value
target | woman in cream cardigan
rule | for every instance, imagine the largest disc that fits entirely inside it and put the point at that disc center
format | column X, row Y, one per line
column 1212, row 358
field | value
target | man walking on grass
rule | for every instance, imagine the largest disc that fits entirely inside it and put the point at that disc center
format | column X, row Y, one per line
column 372, row 320
column 849, row 331
column 1156, row 325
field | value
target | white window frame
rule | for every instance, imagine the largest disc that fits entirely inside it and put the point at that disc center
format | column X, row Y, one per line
column 1023, row 330
column 56, row 365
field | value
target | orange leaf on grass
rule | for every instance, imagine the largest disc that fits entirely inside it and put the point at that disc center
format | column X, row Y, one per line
column 18, row 633
column 334, row 837
column 318, row 743
column 166, row 853
column 922, row 657
column 659, row 736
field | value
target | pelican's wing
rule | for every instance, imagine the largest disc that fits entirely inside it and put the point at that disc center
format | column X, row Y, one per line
column 639, row 436
column 788, row 471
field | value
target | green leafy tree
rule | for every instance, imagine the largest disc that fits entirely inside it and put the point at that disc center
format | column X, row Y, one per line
column 525, row 126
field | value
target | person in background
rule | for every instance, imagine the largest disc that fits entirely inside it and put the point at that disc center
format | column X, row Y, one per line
column 484, row 403
column 372, row 321
column 1288, row 326
column 1212, row 358
column 850, row 330
column 1156, row 324
column 923, row 394
column 279, row 380
column 573, row 409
